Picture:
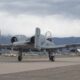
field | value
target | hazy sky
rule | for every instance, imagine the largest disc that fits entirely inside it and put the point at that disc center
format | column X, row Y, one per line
column 61, row 17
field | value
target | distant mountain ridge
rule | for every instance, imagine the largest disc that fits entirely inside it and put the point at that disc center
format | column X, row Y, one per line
column 56, row 40
column 66, row 40
column 5, row 39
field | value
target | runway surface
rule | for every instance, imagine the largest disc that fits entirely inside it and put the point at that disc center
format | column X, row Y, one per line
column 12, row 66
column 40, row 69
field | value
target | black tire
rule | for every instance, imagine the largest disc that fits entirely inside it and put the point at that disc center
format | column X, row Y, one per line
column 52, row 58
column 19, row 58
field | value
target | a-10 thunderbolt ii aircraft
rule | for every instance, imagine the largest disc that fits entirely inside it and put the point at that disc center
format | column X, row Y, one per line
column 37, row 42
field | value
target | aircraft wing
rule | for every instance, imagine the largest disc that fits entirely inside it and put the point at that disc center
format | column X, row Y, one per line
column 73, row 46
column 53, row 46
column 5, row 45
column 22, row 44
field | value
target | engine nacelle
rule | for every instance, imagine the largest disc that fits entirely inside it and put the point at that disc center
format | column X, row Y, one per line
column 14, row 39
column 18, row 38
column 32, row 39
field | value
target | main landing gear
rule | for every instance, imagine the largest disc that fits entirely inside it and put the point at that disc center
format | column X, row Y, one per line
column 20, row 56
column 51, row 56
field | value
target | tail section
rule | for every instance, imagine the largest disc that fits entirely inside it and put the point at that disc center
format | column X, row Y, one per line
column 41, row 41
column 37, row 38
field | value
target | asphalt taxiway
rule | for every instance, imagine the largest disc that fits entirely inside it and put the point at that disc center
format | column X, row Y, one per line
column 40, row 69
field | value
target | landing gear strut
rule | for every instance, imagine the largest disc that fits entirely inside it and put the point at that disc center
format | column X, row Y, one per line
column 51, row 56
column 20, row 56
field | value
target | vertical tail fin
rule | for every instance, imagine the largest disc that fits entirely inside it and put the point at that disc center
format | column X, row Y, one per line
column 37, row 38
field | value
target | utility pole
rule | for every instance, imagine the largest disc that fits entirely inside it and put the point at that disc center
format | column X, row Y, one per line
column 0, row 40
column 0, row 33
column 0, row 36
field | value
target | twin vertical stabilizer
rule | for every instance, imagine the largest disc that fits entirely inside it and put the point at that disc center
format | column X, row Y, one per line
column 37, row 38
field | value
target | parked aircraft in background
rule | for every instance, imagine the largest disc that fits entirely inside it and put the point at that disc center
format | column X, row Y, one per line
column 37, row 42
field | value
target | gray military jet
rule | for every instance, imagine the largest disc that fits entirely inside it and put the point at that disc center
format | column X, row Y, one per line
column 37, row 42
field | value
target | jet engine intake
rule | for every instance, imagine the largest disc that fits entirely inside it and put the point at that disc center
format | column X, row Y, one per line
column 18, row 38
column 32, row 40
